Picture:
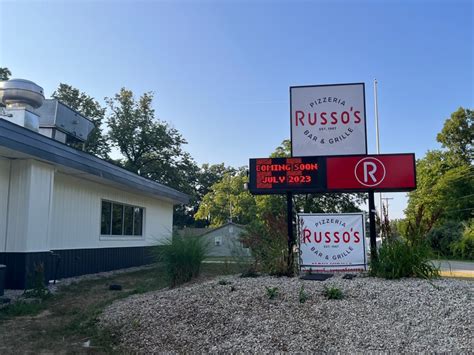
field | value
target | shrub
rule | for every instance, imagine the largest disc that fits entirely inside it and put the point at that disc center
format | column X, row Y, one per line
column 268, row 241
column 332, row 293
column 464, row 247
column 272, row 292
column 182, row 257
column 441, row 238
column 399, row 259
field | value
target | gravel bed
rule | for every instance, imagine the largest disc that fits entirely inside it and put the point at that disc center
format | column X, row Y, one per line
column 407, row 315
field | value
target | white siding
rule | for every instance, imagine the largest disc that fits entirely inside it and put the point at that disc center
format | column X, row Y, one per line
column 4, row 187
column 77, row 209
column 18, row 206
column 29, row 206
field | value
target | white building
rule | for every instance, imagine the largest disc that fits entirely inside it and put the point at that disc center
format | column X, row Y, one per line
column 64, row 208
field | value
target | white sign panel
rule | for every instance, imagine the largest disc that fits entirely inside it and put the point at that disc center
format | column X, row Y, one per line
column 332, row 242
column 328, row 120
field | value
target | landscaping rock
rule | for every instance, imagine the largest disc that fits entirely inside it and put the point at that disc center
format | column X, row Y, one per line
column 375, row 315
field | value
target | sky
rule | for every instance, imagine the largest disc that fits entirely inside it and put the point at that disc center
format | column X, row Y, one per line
column 221, row 70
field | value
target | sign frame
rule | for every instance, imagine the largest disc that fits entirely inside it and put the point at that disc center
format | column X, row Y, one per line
column 334, row 268
column 316, row 190
column 328, row 85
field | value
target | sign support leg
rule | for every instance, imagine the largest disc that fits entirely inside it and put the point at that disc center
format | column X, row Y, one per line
column 373, row 236
column 291, row 236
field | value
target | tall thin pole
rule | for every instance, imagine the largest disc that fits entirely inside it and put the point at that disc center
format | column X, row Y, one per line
column 373, row 240
column 377, row 139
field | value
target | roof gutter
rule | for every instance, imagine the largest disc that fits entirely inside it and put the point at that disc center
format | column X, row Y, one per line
column 29, row 142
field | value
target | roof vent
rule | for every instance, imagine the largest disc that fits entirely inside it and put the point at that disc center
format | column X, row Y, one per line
column 21, row 97
column 21, row 93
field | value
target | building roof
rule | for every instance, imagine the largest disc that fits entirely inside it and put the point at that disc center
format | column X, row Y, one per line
column 34, row 145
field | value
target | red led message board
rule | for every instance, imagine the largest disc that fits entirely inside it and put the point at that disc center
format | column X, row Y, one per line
column 383, row 172
column 278, row 175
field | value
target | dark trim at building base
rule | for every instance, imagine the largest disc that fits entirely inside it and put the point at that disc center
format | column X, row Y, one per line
column 59, row 264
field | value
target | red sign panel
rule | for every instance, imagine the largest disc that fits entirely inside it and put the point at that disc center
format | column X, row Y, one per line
column 386, row 172
column 383, row 172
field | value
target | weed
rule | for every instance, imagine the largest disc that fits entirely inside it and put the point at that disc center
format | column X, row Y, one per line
column 332, row 293
column 272, row 292
column 21, row 309
column 135, row 323
column 36, row 286
column 224, row 282
column 232, row 288
column 303, row 295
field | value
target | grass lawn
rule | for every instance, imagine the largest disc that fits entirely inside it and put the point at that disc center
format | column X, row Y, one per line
column 64, row 321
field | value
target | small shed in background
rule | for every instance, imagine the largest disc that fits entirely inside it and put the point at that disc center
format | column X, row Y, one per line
column 223, row 241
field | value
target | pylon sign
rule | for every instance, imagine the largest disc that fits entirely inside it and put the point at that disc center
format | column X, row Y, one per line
column 362, row 173
column 328, row 120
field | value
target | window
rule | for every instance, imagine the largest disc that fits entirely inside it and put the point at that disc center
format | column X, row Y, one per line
column 120, row 219
column 218, row 241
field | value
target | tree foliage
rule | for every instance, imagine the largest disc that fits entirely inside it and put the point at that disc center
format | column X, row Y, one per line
column 445, row 178
column 228, row 200
column 215, row 205
column 457, row 135
column 87, row 106
column 5, row 73
column 151, row 147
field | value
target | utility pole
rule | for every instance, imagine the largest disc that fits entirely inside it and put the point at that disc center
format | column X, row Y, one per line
column 386, row 199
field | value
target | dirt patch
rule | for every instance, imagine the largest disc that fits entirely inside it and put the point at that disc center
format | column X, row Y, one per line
column 67, row 321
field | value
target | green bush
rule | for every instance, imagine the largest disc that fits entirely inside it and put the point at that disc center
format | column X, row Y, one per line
column 333, row 293
column 441, row 238
column 399, row 259
column 464, row 247
column 182, row 257
column 268, row 241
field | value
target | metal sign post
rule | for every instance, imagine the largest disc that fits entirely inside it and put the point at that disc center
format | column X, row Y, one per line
column 291, row 234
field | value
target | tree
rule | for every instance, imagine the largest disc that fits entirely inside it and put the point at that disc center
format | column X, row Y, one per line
column 215, row 202
column 227, row 200
column 141, row 138
column 151, row 148
column 87, row 106
column 5, row 73
column 457, row 135
column 445, row 178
